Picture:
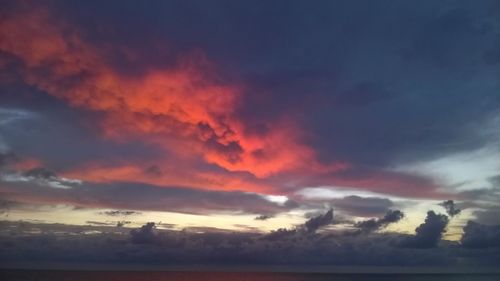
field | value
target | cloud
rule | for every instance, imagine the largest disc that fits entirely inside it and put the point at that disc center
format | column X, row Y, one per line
column 480, row 236
column 376, row 224
column 9, row 115
column 5, row 158
column 315, row 223
column 363, row 206
column 309, row 227
column 39, row 176
column 144, row 235
column 263, row 217
column 184, row 109
column 489, row 215
column 100, row 223
column 120, row 213
column 451, row 208
column 429, row 233
column 140, row 197
column 122, row 223
column 280, row 234
column 202, row 129
column 68, row 244
column 6, row 205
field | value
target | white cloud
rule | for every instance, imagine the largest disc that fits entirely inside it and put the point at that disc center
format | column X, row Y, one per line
column 335, row 192
column 463, row 171
column 10, row 115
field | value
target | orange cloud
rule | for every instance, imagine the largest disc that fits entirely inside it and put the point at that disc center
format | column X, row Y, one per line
column 167, row 175
column 183, row 109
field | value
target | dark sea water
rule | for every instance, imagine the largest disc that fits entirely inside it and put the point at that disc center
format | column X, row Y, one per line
column 38, row 275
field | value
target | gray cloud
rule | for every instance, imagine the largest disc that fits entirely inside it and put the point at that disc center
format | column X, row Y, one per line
column 6, row 205
column 263, row 217
column 101, row 223
column 6, row 158
column 315, row 223
column 429, row 233
column 68, row 244
column 119, row 213
column 363, row 206
column 38, row 176
column 144, row 235
column 451, row 209
column 375, row 224
column 481, row 236
column 141, row 197
column 122, row 223
column 489, row 215
column 280, row 234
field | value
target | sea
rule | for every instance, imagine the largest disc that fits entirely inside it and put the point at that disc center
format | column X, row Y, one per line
column 71, row 275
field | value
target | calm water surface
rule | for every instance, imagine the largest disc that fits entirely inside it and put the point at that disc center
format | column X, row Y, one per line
column 26, row 275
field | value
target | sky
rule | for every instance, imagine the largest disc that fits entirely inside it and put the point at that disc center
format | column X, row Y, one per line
column 250, row 132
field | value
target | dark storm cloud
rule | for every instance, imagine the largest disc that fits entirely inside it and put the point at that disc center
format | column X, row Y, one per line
column 481, row 236
column 371, row 225
column 429, row 233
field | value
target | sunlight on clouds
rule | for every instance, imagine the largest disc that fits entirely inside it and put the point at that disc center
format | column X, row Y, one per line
column 278, row 199
column 65, row 214
column 463, row 171
column 333, row 192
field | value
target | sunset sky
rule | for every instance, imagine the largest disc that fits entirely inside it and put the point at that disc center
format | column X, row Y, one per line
column 246, row 117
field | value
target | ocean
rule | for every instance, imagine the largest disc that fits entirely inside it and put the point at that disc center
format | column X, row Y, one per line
column 61, row 275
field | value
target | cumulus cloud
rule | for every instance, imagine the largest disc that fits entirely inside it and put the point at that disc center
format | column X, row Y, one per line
column 18, row 243
column 280, row 234
column 376, row 224
column 429, row 233
column 481, row 236
column 451, row 209
column 315, row 223
column 144, row 235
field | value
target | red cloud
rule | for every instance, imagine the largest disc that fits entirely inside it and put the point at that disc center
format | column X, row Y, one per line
column 183, row 109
